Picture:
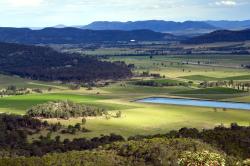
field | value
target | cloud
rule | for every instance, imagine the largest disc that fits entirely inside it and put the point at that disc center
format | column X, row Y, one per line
column 25, row 3
column 226, row 3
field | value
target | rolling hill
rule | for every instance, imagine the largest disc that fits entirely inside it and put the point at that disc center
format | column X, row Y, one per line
column 220, row 36
column 42, row 63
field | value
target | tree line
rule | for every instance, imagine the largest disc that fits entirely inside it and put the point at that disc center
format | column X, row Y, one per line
column 155, row 83
column 239, row 85
column 13, row 90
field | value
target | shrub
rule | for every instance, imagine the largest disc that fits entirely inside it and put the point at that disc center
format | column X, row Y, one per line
column 118, row 114
column 204, row 158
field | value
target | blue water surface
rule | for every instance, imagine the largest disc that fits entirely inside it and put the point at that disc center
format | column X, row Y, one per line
column 200, row 103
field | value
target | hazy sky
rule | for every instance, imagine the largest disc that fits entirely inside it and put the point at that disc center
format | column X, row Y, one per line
column 38, row 13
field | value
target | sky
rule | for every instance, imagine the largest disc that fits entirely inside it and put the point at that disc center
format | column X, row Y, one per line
column 42, row 13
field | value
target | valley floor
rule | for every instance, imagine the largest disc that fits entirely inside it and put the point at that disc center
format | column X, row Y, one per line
column 142, row 118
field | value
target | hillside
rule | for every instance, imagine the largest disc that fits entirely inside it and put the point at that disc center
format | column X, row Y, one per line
column 154, row 25
column 76, row 36
column 42, row 63
column 221, row 36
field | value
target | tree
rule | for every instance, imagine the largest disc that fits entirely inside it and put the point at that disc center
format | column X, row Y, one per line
column 12, row 88
column 84, row 121
column 57, row 138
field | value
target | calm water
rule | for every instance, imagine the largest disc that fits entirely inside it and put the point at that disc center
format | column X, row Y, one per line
column 200, row 103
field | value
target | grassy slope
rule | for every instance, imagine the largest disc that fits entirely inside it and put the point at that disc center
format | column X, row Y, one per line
column 199, row 78
column 154, row 118
column 5, row 81
column 217, row 90
column 206, row 78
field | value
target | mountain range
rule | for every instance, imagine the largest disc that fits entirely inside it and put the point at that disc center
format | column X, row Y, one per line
column 191, row 32
column 177, row 28
column 154, row 25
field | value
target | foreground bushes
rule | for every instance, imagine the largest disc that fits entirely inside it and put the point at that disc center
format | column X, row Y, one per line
column 74, row 158
column 161, row 151
column 234, row 141
column 152, row 152
column 14, row 129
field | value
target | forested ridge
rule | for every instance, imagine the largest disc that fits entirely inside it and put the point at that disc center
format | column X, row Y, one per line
column 220, row 36
column 77, row 36
column 42, row 63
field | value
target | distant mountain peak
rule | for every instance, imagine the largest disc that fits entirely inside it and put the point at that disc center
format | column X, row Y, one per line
column 59, row 26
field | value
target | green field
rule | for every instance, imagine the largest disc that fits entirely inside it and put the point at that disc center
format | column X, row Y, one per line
column 141, row 118
column 206, row 78
column 199, row 78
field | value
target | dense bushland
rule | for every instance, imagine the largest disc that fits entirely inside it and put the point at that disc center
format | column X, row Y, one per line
column 14, row 130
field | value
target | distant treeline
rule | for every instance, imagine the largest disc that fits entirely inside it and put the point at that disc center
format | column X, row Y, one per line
column 13, row 90
column 42, row 63
column 154, row 83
